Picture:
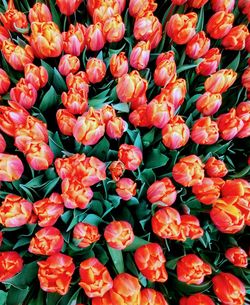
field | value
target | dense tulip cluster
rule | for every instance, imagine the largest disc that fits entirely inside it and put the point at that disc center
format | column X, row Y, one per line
column 124, row 152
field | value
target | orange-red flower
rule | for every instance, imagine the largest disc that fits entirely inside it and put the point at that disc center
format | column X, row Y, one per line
column 114, row 28
column 94, row 37
column 209, row 103
column 126, row 290
column 197, row 3
column 245, row 79
column 236, row 38
column 10, row 264
column 85, row 234
column 197, row 298
column 68, row 7
column 96, row 70
column 105, row 10
column 55, row 273
column 215, row 168
column 107, row 112
column 46, row 241
column 222, row 5
column 37, row 76
column 139, row 117
column 39, row 13
column 78, row 81
column 126, row 188
column 140, row 54
column 150, row 296
column 181, row 27
column 4, row 34
column 116, row 169
column 64, row 167
column 75, row 101
column 210, row 62
column 237, row 256
column 190, row 227
column 138, row 8
column 219, row 24
column 175, row 92
column 243, row 112
column 74, row 40
column 130, row 155
column 192, row 270
column 11, row 167
column 4, row 82
column 198, row 45
column 65, row 121
column 150, row 260
column 119, row 234
column 229, row 289
column 205, row 131
column 2, row 144
column 188, row 171
column 118, row 65
column 104, row 300
column 68, row 64
column 165, row 71
column 95, row 278
column 236, row 187
column 220, row 81
column 115, row 127
column 24, row 93
column 15, row 211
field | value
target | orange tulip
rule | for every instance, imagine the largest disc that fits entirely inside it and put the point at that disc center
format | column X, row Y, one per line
column 243, row 112
column 236, row 38
column 237, row 256
column 119, row 234
column 75, row 101
column 188, row 171
column 68, row 7
column 229, row 289
column 116, row 127
column 209, row 103
column 220, row 81
column 24, row 93
column 4, row 35
column 190, row 227
column 197, row 4
column 245, row 80
column 47, row 241
column 126, row 290
column 118, row 65
column 96, row 70
column 4, row 82
column 139, row 117
column 162, row 191
column 10, row 264
column 205, row 131
column 105, row 10
column 40, row 13
column 94, row 37
column 104, row 300
column 116, row 169
column 150, row 296
column 181, row 27
column 236, row 187
column 219, row 24
column 74, row 40
column 165, row 71
column 78, row 81
column 198, row 45
column 247, row 42
column 2, row 143
column 192, row 270
column 16, row 56
column 150, row 260
column 114, row 28
column 46, row 39
column 130, row 155
column 215, row 168
column 210, row 62
column 75, row 195
column 85, row 234
column 55, row 273
column 140, row 55
column 175, row 92
column 166, row 223
column 138, row 8
column 68, row 64
column 222, row 5
column 15, row 211
column 95, row 278
column 197, row 298
column 11, row 167
column 37, row 76
column 65, row 121
column 126, row 188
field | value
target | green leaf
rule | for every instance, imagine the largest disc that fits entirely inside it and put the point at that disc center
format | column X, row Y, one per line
column 186, row 67
column 16, row 296
column 53, row 298
column 49, row 70
column 147, row 176
column 101, row 149
column 49, row 99
column 172, row 263
column 55, row 144
column 138, row 242
column 148, row 138
column 200, row 22
column 122, row 107
column 234, row 63
column 156, row 159
column 55, row 13
column 3, row 297
column 117, row 259
column 242, row 173
column 58, row 82
column 93, row 219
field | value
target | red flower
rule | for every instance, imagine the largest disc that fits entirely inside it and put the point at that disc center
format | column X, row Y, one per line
column 10, row 264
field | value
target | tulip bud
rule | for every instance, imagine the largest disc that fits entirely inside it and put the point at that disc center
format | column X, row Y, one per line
column 11, row 167
column 245, row 80
column 130, row 155
column 150, row 296
column 11, row 263
column 4, row 82
column 181, row 27
column 116, row 169
column 139, row 117
column 37, row 76
column 96, row 70
column 85, row 234
column 40, row 13
column 118, row 65
column 138, row 8
column 24, row 93
column 215, row 168
column 237, row 256
column 220, row 81
column 107, row 112
column 79, row 81
column 190, row 227
column 140, row 54
column 197, row 3
column 116, row 127
column 65, row 121
column 68, row 7
column 210, row 62
column 104, row 300
column 198, row 45
column 175, row 92
column 247, row 42
column 209, row 103
column 165, row 71
column 94, row 37
column 126, row 188
column 197, row 298
column 105, row 11
column 114, row 28
column 222, row 5
column 68, row 64
column 243, row 112
column 74, row 40
column 2, row 143
column 236, row 37
column 13, row 20
column 4, row 35
column 219, row 24
column 76, row 101
column 179, row 2
column 205, row 131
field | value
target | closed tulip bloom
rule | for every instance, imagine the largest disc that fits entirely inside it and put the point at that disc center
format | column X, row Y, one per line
column 219, row 24
column 130, row 155
column 104, row 300
column 119, row 234
column 94, row 37
column 126, row 290
column 131, row 86
column 150, row 296
column 140, row 54
column 220, row 81
column 13, row 20
column 205, row 131
column 237, row 256
column 243, row 5
column 116, row 127
column 36, row 76
column 116, row 169
column 96, row 70
column 68, row 7
column 245, row 80
column 243, row 112
column 24, row 93
column 176, row 92
column 15, row 211
column 198, row 45
column 175, row 133
column 150, row 260
column 210, row 62
column 138, row 8
column 226, row 216
column 75, row 195
column 85, row 234
column 74, row 40
column 48, row 210
column 208, row 191
column 65, row 121
column 78, row 81
column 118, row 65
column 181, row 27
column 166, row 223
column 89, row 128
column 197, row 4
column 68, row 64
column 229, row 125
column 11, row 167
column 75, row 101
column 139, row 117
column 105, row 11
column 11, row 263
column 179, row 2
column 16, row 56
column 236, row 187
column 148, row 28
column 165, row 71
column 4, row 35
column 192, row 270
column 197, row 298
column 190, row 228
column 162, row 191
column 2, row 143
column 236, row 38
column 137, row 102
column 46, row 39
column 188, row 171
column 4, row 82
column 107, row 112
column 215, row 168
column 114, row 28
column 209, row 103
column 222, row 5
column 55, row 273
column 247, row 42
column 126, row 188
column 39, row 13
column 47, row 241
column 229, row 289
column 95, row 278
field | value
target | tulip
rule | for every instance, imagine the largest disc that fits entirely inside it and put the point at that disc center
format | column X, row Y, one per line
column 197, row 4
column 105, row 11
column 68, row 7
column 130, row 155
column 210, row 62
column 11, row 167
column 2, row 143
column 138, row 8
column 209, row 103
column 79, row 81
column 15, row 211
column 137, row 102
column 36, row 76
column 245, row 80
column 243, row 112
column 126, row 188
column 4, row 35
column 219, row 24
column 179, row 2
column 68, row 64
column 197, row 298
column 74, row 40
column 236, row 38
column 24, row 93
column 229, row 289
column 247, row 42
column 75, row 101
column 190, row 228
column 181, row 27
column 205, row 131
column 107, row 113
column 104, row 300
column 165, row 71
column 139, row 117
column 116, row 169
column 85, row 234
column 47, row 241
column 140, row 54
column 150, row 260
column 118, row 65
column 65, row 121
column 94, row 37
column 114, row 28
column 220, row 81
column 4, row 82
column 175, row 92
column 96, row 70
column 236, row 187
column 215, row 168
column 150, row 296
column 222, row 5
column 11, row 263
column 55, row 273
column 237, row 256
column 40, row 13
column 95, row 278
column 198, row 45
column 116, row 127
